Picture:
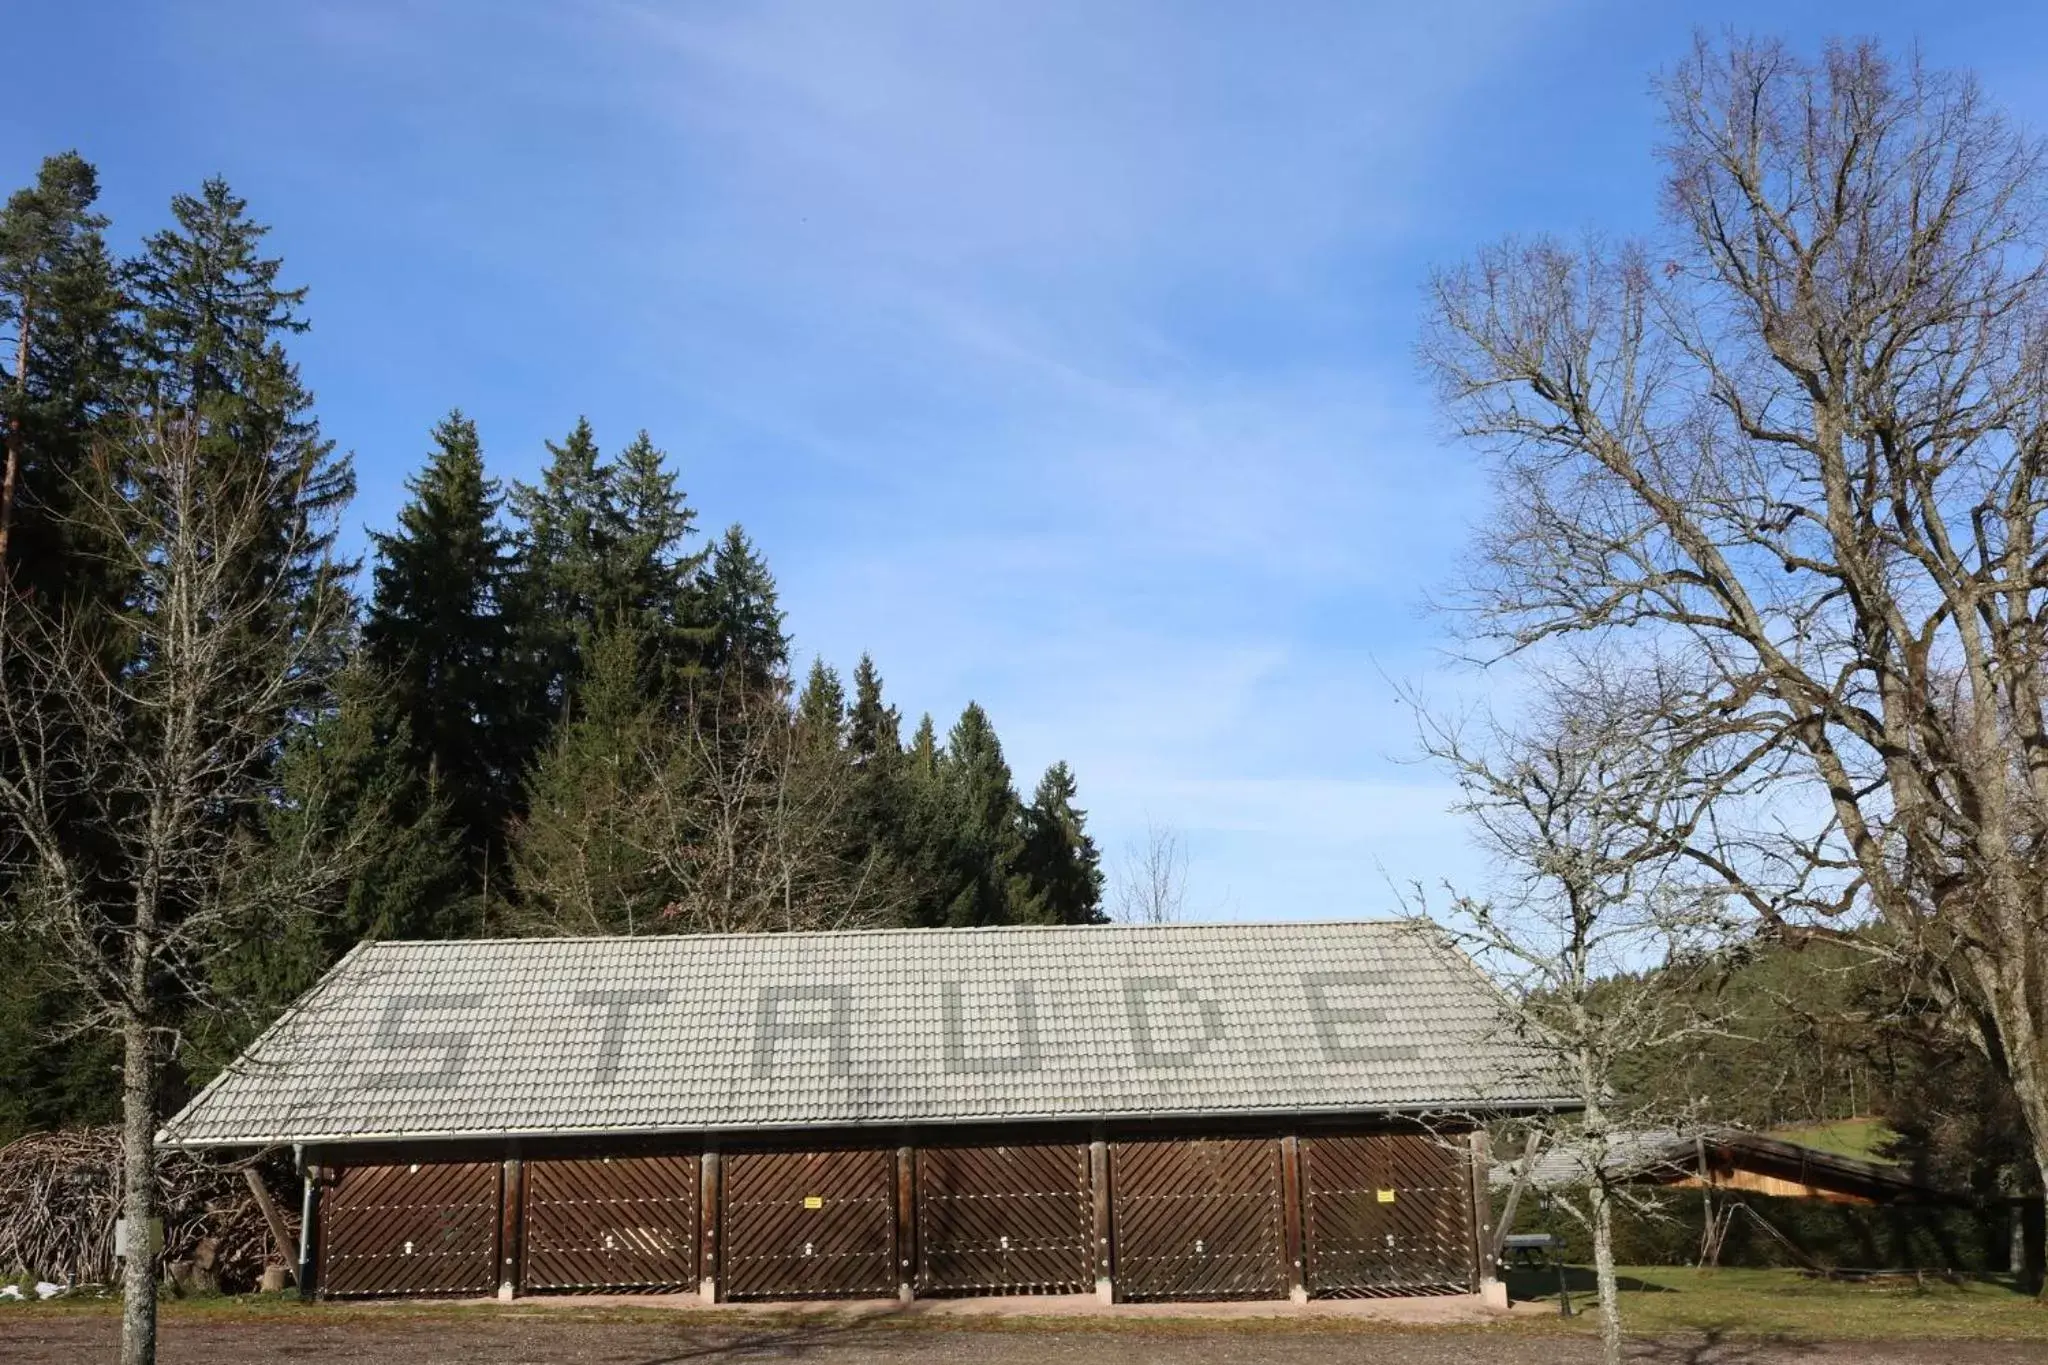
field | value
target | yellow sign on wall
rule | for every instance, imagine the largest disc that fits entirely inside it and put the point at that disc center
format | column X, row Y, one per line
column 1386, row 1196
column 813, row 1201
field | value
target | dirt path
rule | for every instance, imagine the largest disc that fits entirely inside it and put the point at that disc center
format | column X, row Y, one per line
column 77, row 1340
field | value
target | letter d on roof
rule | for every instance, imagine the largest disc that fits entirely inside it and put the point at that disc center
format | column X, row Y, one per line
column 1138, row 991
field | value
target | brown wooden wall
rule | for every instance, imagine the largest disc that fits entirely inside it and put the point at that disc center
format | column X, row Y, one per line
column 1002, row 1219
column 1329, row 1213
column 1198, row 1219
column 426, row 1228
column 1384, row 1215
column 805, row 1225
column 610, row 1224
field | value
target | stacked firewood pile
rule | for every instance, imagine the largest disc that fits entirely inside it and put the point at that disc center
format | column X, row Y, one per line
column 61, row 1192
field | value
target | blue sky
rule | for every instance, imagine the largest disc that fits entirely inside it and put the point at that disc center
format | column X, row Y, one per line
column 1061, row 354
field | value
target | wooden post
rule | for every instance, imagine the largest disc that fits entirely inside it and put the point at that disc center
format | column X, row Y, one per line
column 511, row 1208
column 1485, row 1257
column 1290, row 1210
column 264, row 1202
column 1105, row 1250
column 906, row 1224
column 710, row 1202
column 1531, row 1149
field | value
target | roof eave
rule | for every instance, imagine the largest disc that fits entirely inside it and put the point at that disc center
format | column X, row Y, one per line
column 1475, row 1107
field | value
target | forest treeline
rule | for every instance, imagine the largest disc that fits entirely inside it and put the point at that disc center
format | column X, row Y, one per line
column 555, row 708
column 1813, row 1028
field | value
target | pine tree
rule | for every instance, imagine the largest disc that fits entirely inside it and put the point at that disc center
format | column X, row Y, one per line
column 1058, row 876
column 874, row 729
column 436, row 632
column 974, row 778
column 821, row 710
column 585, row 856
column 653, row 583
column 345, row 780
column 566, row 539
column 924, row 750
column 60, row 363
column 748, row 639
column 207, row 338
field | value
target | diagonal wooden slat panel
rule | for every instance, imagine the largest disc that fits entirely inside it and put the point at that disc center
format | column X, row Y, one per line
column 1004, row 1219
column 779, row 1244
column 1198, row 1219
column 617, row 1224
column 430, row 1228
column 1418, row 1241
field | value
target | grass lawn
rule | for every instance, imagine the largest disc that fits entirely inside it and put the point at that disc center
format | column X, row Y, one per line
column 1659, row 1300
column 1862, row 1139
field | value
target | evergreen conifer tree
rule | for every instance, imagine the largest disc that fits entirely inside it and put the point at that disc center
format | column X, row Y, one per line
column 821, row 710
column 437, row 634
column 748, row 641
column 654, row 583
column 874, row 729
column 583, row 856
column 346, row 780
column 1058, row 875
column 974, row 779
column 206, row 337
column 566, row 539
column 924, row 750
column 60, row 364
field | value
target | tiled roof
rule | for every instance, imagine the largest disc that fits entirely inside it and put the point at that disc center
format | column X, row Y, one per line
column 731, row 1032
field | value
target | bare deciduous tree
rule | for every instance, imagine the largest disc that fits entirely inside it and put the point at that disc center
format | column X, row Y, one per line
column 722, row 820
column 1805, row 442
column 133, row 753
column 1152, row 884
column 1579, row 811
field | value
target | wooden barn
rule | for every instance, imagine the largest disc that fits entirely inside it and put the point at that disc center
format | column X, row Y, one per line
column 1158, row 1113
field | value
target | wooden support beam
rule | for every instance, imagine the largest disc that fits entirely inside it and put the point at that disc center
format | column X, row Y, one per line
column 906, row 1224
column 1105, row 1249
column 511, row 1226
column 1531, row 1149
column 1291, row 1211
column 1485, row 1258
column 710, row 1201
column 287, row 1248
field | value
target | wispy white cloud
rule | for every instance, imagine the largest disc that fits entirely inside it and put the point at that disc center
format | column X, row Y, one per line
column 1059, row 352
column 1083, row 383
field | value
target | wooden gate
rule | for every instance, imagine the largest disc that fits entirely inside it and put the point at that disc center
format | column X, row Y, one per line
column 430, row 1228
column 1004, row 1220
column 611, row 1224
column 1198, row 1220
column 810, row 1224
column 1386, row 1214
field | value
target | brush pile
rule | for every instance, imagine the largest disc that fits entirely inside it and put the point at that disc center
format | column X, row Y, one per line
column 61, row 1192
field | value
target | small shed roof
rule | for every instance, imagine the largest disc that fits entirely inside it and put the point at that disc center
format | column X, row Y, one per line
column 505, row 1038
column 1662, row 1156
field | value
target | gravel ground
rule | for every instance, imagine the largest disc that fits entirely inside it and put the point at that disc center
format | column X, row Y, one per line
column 510, row 1341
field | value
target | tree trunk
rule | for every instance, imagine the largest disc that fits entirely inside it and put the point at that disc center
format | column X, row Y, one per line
column 138, row 1194
column 11, row 473
column 1603, row 1273
column 2027, row 1071
column 8, row 476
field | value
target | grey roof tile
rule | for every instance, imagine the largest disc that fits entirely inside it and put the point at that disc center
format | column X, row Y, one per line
column 730, row 1032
